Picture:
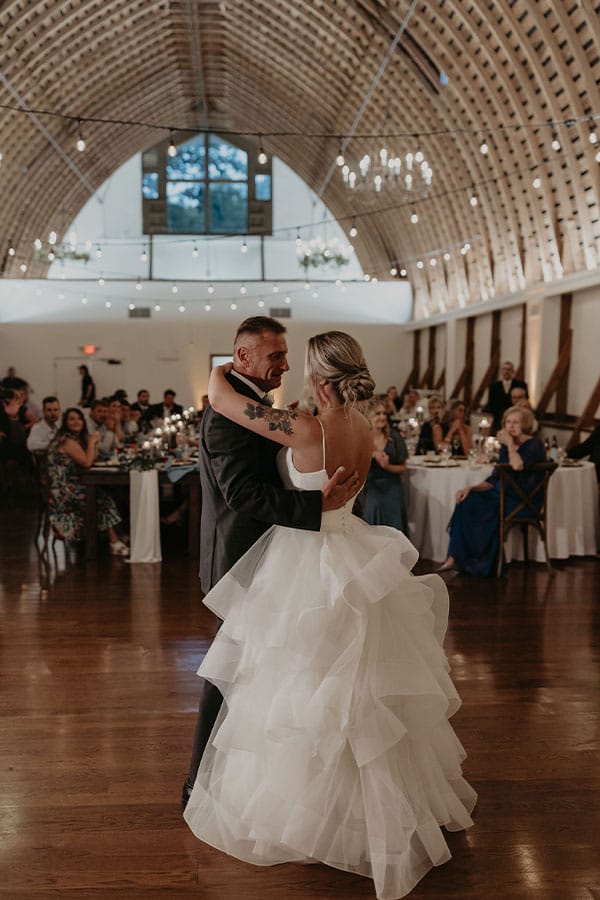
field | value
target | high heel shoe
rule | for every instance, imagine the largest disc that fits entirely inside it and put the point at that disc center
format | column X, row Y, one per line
column 118, row 548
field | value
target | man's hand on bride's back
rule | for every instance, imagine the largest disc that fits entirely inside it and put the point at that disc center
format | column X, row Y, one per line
column 339, row 489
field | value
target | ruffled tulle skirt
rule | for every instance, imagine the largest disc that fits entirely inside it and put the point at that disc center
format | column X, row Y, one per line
column 333, row 743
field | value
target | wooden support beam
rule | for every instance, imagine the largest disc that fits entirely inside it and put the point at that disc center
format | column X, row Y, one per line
column 562, row 391
column 558, row 373
column 441, row 382
column 520, row 373
column 469, row 360
column 586, row 418
column 413, row 376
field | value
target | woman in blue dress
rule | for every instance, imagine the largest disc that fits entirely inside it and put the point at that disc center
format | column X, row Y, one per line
column 474, row 526
column 385, row 502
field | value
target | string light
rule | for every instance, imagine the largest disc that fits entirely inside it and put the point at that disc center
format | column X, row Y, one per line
column 23, row 267
column 315, row 295
column 144, row 256
column 353, row 230
column 207, row 307
column 414, row 217
column 181, row 308
column 80, row 144
column 51, row 256
column 171, row 149
column 37, row 244
column 447, row 256
column 131, row 306
column 243, row 289
column 262, row 156
column 244, row 247
column 174, row 289
column 275, row 288
column 98, row 252
column 233, row 306
column 108, row 304
column 210, row 289
column 555, row 142
column 11, row 250
column 195, row 251
column 84, row 300
column 261, row 304
column 138, row 285
column 340, row 157
column 157, row 307
column 420, row 264
column 536, row 183
column 484, row 149
column 403, row 273
column 593, row 136
column 393, row 271
column 288, row 300
column 473, row 200
column 307, row 285
column 101, row 281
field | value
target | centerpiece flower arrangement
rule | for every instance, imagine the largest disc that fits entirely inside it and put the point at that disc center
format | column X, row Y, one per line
column 318, row 253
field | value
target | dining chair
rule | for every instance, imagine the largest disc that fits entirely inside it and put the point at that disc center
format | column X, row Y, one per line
column 530, row 510
column 40, row 466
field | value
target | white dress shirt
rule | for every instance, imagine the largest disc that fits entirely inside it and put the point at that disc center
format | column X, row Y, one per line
column 40, row 435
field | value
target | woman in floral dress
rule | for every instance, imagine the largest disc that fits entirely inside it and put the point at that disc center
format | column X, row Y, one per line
column 72, row 450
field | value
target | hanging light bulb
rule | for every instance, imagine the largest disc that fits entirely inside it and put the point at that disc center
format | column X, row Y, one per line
column 353, row 230
column 233, row 306
column 433, row 261
column 171, row 149
column 537, row 182
column 107, row 304
column 288, row 300
column 340, row 157
column 262, row 156
column 244, row 247
column 101, row 281
column 366, row 277
column 207, row 307
column 37, row 244
column 555, row 142
column 144, row 256
column 473, row 200
column 174, row 289
column 315, row 295
column 307, row 285
column 98, row 252
column 51, row 256
column 157, row 307
column 403, row 273
column 275, row 288
column 593, row 136
column 138, row 285
column 195, row 252
column 298, row 239
column 52, row 238
column 11, row 250
column 23, row 267
column 261, row 304
column 181, row 308
column 597, row 158
column 484, row 149
column 243, row 289
column 211, row 289
column 80, row 144
column 393, row 271
column 446, row 256
column 414, row 217
column 84, row 300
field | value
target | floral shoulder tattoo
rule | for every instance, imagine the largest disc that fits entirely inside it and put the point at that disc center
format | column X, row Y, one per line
column 277, row 419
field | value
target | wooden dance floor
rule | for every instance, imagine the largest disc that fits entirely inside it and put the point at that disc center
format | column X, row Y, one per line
column 99, row 693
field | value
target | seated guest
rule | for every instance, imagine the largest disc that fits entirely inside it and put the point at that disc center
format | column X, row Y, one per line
column 392, row 393
column 42, row 432
column 141, row 408
column 499, row 398
column 27, row 412
column 113, row 421
column 590, row 447
column 518, row 397
column 434, row 430
column 459, row 436
column 411, row 401
column 474, row 527
column 167, row 408
column 385, row 502
column 95, row 420
column 72, row 450
column 129, row 421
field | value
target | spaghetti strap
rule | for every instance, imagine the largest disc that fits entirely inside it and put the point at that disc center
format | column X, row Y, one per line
column 323, row 433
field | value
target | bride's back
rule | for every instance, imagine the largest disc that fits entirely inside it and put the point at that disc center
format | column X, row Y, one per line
column 348, row 443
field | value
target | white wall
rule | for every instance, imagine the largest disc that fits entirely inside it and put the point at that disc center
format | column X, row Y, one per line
column 159, row 355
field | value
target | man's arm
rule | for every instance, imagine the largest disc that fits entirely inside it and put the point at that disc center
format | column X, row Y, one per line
column 35, row 439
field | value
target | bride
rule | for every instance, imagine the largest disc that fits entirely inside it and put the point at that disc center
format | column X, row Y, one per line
column 333, row 744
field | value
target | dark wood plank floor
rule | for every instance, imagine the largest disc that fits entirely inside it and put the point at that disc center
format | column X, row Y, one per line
column 98, row 698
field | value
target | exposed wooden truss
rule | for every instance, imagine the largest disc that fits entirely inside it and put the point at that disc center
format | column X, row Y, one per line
column 293, row 65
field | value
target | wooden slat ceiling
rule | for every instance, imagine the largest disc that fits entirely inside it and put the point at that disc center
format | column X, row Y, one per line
column 305, row 66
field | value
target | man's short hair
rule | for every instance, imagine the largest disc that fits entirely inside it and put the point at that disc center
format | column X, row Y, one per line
column 49, row 400
column 257, row 324
column 102, row 401
column 169, row 391
column 142, row 391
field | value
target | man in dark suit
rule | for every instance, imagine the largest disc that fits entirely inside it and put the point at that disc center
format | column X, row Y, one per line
column 242, row 494
column 167, row 408
column 499, row 394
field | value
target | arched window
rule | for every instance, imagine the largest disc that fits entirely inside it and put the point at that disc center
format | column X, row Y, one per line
column 211, row 186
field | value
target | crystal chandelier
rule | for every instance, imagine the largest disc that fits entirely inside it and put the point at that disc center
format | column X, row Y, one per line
column 410, row 173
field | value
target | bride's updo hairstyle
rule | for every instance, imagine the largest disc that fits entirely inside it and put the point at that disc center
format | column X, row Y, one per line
column 338, row 358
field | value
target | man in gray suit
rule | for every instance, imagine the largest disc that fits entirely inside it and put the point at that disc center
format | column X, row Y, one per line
column 242, row 494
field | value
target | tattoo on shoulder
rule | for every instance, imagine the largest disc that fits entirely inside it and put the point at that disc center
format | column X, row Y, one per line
column 277, row 419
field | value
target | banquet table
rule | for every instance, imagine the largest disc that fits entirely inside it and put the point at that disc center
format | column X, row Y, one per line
column 107, row 477
column 572, row 515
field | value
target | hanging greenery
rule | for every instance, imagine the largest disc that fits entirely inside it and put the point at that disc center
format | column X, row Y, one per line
column 317, row 254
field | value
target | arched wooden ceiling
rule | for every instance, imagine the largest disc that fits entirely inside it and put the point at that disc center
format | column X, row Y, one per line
column 304, row 66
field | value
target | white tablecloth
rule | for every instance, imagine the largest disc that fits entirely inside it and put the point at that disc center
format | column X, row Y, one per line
column 573, row 519
column 144, row 516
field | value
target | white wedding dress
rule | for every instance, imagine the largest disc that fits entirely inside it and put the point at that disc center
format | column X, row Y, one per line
column 333, row 743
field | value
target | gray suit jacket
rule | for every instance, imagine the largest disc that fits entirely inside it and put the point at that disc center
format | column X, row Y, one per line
column 242, row 494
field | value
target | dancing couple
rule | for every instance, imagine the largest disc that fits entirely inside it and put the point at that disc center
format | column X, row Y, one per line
column 333, row 742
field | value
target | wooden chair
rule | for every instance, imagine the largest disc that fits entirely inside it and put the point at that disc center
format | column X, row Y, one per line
column 530, row 510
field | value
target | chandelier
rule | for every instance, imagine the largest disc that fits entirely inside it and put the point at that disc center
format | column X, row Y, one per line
column 410, row 173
